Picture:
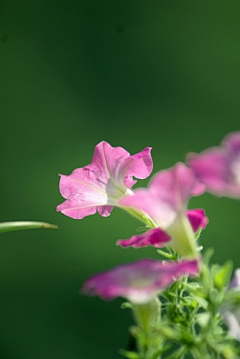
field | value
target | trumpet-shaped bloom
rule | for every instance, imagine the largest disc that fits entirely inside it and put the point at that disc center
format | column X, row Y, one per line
column 100, row 185
column 140, row 281
column 219, row 167
column 165, row 201
column 156, row 237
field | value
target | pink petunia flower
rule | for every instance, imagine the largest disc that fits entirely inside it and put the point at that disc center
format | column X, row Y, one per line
column 100, row 185
column 165, row 201
column 156, row 237
column 139, row 282
column 219, row 167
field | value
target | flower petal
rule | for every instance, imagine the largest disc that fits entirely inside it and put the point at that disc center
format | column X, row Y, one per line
column 219, row 167
column 232, row 143
column 140, row 281
column 154, row 237
column 139, row 166
column 212, row 168
column 197, row 219
column 158, row 238
column 165, row 202
column 100, row 185
column 167, row 195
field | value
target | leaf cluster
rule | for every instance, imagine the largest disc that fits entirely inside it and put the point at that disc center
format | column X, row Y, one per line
column 191, row 324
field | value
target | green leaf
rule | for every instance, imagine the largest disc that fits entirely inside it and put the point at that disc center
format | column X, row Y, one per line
column 129, row 355
column 161, row 351
column 203, row 319
column 16, row 226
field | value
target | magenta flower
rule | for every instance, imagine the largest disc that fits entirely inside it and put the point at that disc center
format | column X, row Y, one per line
column 140, row 281
column 219, row 167
column 100, row 185
column 156, row 237
column 165, row 201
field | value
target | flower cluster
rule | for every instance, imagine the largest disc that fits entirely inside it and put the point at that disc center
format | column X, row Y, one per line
column 163, row 209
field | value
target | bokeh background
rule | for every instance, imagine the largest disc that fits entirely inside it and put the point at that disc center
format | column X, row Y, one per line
column 135, row 73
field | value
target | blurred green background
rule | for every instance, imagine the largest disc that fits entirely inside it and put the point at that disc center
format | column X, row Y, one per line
column 164, row 74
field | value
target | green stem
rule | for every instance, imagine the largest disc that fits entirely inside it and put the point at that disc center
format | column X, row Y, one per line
column 147, row 316
column 16, row 226
column 179, row 354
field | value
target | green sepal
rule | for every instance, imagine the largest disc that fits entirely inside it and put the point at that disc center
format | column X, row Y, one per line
column 192, row 286
column 170, row 256
column 214, row 296
column 208, row 256
column 200, row 300
column 198, row 232
column 142, row 229
column 168, row 332
column 126, row 305
column 16, row 226
column 223, row 275
column 197, row 294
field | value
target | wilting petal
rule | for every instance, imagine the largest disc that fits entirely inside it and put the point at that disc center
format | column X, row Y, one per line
column 154, row 237
column 140, row 281
column 158, row 238
column 219, row 167
column 100, row 185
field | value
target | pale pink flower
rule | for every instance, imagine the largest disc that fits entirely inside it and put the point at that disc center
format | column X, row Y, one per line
column 100, row 185
column 139, row 282
column 235, row 283
column 165, row 201
column 219, row 167
column 231, row 310
column 156, row 237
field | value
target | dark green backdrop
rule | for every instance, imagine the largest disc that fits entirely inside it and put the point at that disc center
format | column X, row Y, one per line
column 135, row 73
